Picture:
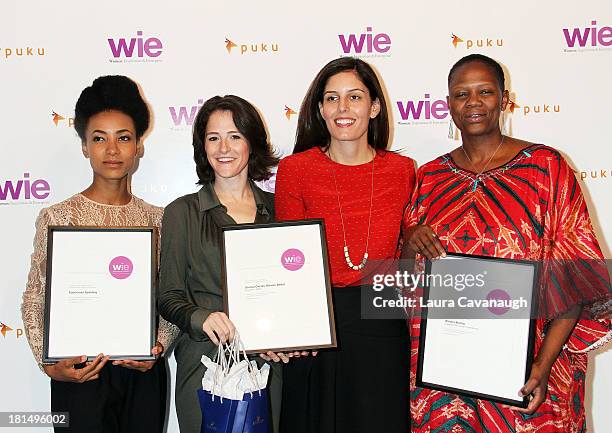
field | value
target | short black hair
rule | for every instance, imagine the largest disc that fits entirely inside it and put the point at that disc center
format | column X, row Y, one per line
column 248, row 121
column 497, row 69
column 312, row 130
column 111, row 92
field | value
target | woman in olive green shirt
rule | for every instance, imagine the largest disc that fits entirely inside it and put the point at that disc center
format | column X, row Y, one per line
column 231, row 150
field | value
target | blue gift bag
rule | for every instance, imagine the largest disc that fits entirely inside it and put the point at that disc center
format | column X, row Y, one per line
column 252, row 413
column 249, row 415
column 244, row 406
column 218, row 414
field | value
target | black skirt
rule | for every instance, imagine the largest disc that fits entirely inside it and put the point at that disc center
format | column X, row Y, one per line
column 121, row 400
column 362, row 386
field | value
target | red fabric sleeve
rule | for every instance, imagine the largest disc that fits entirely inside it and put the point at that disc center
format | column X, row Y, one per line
column 576, row 267
column 289, row 203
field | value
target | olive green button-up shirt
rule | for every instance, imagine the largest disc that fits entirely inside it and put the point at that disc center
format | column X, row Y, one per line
column 190, row 270
column 190, row 290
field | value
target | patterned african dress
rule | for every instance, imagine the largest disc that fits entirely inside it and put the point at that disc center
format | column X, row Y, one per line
column 530, row 208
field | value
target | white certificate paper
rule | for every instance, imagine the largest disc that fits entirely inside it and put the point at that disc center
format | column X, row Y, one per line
column 99, row 294
column 277, row 289
column 483, row 353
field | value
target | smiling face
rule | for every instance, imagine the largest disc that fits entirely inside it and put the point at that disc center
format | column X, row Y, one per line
column 347, row 108
column 475, row 99
column 227, row 150
column 111, row 145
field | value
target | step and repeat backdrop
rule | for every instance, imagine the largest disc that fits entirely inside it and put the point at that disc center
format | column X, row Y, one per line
column 557, row 61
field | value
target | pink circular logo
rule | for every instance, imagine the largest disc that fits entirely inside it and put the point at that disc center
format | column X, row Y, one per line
column 120, row 267
column 501, row 295
column 293, row 259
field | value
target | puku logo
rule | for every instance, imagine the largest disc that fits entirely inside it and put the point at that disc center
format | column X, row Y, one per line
column 252, row 48
column 4, row 329
column 22, row 52
column 58, row 118
column 591, row 36
column 476, row 42
column 369, row 42
column 595, row 174
column 184, row 115
column 139, row 46
column 24, row 189
column 423, row 109
column 121, row 267
column 293, row 259
column 289, row 112
column 531, row 109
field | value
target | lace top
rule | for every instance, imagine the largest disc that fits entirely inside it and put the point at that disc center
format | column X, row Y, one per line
column 78, row 210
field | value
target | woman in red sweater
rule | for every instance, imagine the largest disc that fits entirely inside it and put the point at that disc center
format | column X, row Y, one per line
column 341, row 171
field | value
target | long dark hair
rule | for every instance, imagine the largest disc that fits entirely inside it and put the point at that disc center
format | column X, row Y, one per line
column 311, row 129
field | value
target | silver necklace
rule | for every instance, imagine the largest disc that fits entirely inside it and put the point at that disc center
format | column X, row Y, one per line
column 347, row 256
column 478, row 177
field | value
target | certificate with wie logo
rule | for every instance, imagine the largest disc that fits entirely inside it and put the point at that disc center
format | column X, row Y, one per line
column 99, row 294
column 477, row 330
column 276, row 285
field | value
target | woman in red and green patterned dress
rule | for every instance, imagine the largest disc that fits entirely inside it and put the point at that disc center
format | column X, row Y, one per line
column 503, row 197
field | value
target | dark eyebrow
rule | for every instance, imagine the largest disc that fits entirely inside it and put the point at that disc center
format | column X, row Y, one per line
column 99, row 131
column 229, row 132
column 350, row 90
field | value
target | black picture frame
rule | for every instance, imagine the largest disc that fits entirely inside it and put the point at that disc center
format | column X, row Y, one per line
column 529, row 344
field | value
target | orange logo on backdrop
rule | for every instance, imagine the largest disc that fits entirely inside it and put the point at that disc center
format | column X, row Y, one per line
column 479, row 42
column 593, row 174
column 22, row 52
column 534, row 109
column 57, row 118
column 4, row 328
column 289, row 112
column 456, row 40
column 252, row 48
column 229, row 45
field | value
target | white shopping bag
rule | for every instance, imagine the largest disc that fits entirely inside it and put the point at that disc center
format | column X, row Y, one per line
column 231, row 374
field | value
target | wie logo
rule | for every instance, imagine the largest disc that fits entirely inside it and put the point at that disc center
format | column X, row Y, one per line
column 293, row 259
column 183, row 116
column 120, row 267
column 366, row 44
column 135, row 49
column 16, row 191
column 422, row 111
column 588, row 38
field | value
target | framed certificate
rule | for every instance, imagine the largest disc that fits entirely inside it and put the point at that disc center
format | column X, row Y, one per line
column 100, row 292
column 276, row 285
column 477, row 328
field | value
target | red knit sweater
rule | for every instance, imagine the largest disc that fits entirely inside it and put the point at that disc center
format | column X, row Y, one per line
column 305, row 189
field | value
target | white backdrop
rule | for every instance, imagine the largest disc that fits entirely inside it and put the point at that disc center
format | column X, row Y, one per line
column 268, row 52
